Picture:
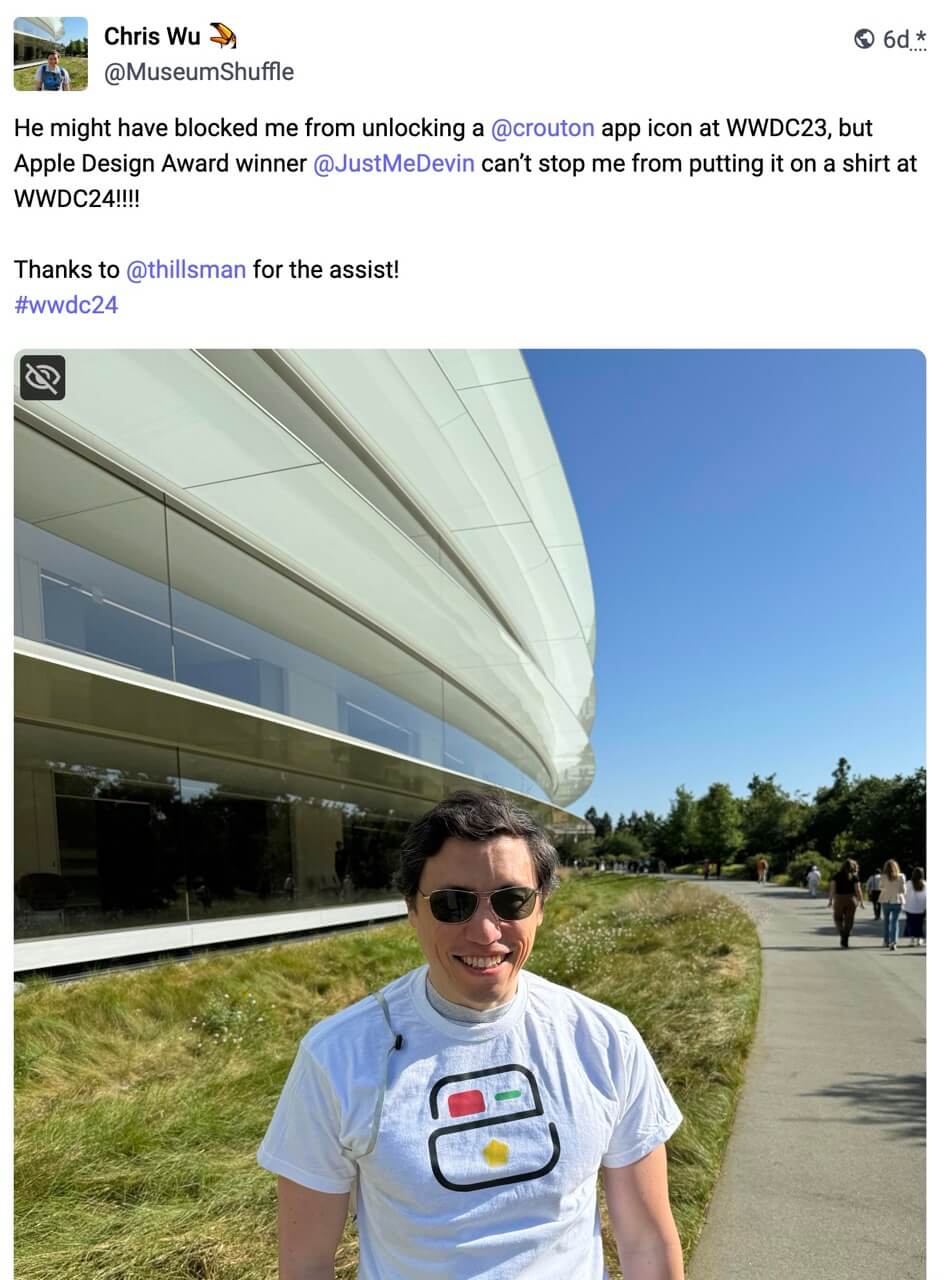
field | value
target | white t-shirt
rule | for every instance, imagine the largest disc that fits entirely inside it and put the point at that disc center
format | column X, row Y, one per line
column 916, row 900
column 490, row 1134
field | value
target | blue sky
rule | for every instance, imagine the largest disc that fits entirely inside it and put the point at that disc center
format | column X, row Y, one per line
column 754, row 522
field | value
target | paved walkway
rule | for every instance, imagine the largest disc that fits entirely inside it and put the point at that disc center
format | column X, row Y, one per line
column 824, row 1175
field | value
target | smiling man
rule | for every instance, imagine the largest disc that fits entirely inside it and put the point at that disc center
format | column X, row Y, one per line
column 470, row 1103
column 51, row 76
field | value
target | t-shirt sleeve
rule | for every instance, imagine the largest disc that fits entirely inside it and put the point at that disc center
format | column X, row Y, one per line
column 649, row 1116
column 302, row 1142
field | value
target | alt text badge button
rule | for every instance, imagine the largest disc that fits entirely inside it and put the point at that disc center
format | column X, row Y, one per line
column 42, row 377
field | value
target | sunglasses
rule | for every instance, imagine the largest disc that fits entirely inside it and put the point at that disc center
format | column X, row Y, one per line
column 453, row 906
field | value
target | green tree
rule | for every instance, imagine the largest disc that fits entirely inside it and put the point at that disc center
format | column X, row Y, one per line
column 772, row 820
column 678, row 833
column 831, row 811
column 718, row 823
column 621, row 846
column 647, row 829
column 888, row 817
column 602, row 826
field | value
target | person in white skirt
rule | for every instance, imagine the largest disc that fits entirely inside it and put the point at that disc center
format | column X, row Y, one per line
column 916, row 907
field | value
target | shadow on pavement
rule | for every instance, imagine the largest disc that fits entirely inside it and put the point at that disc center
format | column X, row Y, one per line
column 897, row 1102
column 800, row 948
column 865, row 935
column 818, row 947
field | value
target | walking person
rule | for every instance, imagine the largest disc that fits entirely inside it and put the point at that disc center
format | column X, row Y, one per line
column 761, row 870
column 916, row 905
column 706, row 868
column 874, row 886
column 813, row 878
column 845, row 894
column 891, row 895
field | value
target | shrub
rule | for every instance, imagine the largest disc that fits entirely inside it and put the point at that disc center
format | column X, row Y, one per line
column 228, row 1021
column 621, row 847
column 798, row 867
column 774, row 862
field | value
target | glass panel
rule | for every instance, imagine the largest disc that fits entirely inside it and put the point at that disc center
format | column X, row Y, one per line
column 108, row 836
column 171, row 411
column 405, row 406
column 491, row 499
column 510, row 417
column 91, row 560
column 516, row 564
column 244, row 631
column 95, row 834
column 94, row 580
column 265, row 383
column 574, row 569
column 476, row 368
column 51, row 481
column 404, row 389
column 262, row 840
column 513, row 764
column 571, row 673
column 80, row 600
column 318, row 523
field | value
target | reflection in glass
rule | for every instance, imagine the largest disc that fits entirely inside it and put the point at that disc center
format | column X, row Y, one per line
column 261, row 840
column 83, row 601
column 95, row 845
column 109, row 835
column 93, row 556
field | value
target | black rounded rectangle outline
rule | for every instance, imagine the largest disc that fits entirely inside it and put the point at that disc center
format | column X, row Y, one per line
column 491, row 1182
column 476, row 1075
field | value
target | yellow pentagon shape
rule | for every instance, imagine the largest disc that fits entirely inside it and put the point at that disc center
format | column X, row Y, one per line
column 496, row 1153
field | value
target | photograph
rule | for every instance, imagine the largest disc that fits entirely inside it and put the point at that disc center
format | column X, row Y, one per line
column 50, row 55
column 469, row 804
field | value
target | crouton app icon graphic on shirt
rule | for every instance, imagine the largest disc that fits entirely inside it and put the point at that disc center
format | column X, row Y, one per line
column 500, row 1135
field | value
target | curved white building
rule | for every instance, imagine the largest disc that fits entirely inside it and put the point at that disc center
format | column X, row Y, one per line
column 270, row 606
column 35, row 38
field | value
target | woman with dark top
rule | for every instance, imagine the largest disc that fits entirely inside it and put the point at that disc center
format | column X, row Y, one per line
column 916, row 906
column 845, row 894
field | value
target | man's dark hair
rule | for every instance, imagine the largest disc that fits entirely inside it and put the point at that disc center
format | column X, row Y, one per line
column 473, row 815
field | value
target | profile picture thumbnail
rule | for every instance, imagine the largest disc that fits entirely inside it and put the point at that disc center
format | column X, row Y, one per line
column 50, row 55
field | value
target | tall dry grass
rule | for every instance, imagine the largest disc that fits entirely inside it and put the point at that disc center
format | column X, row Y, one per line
column 141, row 1097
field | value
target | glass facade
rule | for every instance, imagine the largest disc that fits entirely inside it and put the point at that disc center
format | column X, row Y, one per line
column 114, row 834
column 237, row 561
column 104, row 570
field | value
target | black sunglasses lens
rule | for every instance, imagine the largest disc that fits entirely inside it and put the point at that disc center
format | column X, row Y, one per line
column 452, row 906
column 515, row 903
